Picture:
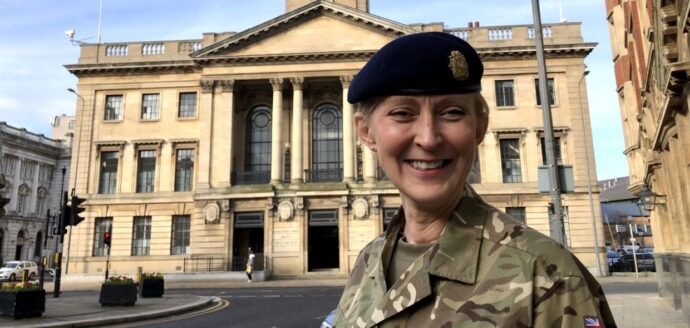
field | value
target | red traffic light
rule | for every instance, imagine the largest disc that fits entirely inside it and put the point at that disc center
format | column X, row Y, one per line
column 106, row 238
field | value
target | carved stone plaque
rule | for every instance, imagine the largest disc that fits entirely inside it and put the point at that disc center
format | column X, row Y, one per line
column 212, row 213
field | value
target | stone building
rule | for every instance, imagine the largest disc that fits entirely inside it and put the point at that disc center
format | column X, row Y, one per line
column 31, row 164
column 62, row 128
column 192, row 151
column 649, row 40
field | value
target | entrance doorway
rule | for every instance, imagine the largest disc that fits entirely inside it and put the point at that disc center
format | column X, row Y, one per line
column 20, row 245
column 323, row 240
column 248, row 232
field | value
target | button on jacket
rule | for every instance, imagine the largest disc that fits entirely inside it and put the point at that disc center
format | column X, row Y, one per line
column 487, row 270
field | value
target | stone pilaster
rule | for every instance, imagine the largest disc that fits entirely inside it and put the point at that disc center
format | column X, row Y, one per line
column 370, row 165
column 297, row 110
column 348, row 136
column 206, row 140
column 222, row 166
column 276, row 135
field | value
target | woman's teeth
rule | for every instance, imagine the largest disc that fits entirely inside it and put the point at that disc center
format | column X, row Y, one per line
column 420, row 165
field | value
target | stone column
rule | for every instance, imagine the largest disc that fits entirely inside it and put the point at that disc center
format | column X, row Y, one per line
column 224, row 122
column 348, row 140
column 276, row 140
column 206, row 137
column 297, row 109
column 370, row 166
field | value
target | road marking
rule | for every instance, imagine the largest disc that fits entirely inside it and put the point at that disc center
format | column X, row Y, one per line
column 271, row 296
column 215, row 307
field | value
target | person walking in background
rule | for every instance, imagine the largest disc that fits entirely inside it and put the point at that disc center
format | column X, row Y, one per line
column 250, row 264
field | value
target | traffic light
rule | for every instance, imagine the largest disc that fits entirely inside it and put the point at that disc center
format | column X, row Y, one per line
column 75, row 210
column 63, row 221
column 106, row 238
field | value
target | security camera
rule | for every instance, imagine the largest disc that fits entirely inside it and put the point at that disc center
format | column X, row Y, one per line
column 70, row 34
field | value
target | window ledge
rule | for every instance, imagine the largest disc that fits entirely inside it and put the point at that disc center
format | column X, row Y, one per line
column 112, row 121
column 191, row 118
column 506, row 107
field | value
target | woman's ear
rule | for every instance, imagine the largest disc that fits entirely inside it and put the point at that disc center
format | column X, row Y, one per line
column 363, row 131
column 482, row 126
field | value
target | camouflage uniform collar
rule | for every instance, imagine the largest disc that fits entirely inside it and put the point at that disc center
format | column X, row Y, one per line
column 456, row 256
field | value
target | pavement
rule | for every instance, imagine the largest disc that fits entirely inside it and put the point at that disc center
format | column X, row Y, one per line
column 632, row 307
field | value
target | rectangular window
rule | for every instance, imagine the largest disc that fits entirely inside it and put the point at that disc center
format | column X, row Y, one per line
column 113, row 108
column 557, row 150
column 27, row 169
column 9, row 163
column 146, row 170
column 150, row 106
column 550, row 86
column 187, row 104
column 141, row 235
column 70, row 125
column 517, row 213
column 45, row 174
column 102, row 225
column 504, row 93
column 510, row 161
column 184, row 168
column 180, row 235
column 108, row 175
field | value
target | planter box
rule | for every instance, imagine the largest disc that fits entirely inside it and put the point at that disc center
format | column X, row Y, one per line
column 118, row 294
column 23, row 304
column 152, row 287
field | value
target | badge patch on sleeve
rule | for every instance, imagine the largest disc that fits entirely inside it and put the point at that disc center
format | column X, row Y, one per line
column 592, row 322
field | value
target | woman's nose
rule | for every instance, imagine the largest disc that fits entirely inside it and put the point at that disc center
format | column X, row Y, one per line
column 427, row 135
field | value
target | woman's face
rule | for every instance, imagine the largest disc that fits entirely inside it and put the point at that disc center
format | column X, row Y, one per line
column 425, row 144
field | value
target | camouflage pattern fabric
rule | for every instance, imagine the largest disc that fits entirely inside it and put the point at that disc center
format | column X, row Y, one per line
column 487, row 270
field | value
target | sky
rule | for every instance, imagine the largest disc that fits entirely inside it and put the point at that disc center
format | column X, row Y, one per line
column 34, row 47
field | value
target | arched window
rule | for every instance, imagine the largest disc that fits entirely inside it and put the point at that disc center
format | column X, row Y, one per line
column 257, row 158
column 23, row 198
column 39, row 244
column 42, row 194
column 327, row 144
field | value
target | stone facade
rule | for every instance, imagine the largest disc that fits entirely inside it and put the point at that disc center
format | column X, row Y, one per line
column 31, row 164
column 652, row 61
column 261, row 119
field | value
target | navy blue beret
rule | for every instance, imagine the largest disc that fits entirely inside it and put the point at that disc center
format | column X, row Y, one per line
column 417, row 64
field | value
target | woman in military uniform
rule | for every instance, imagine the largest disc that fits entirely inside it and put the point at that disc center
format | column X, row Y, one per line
column 449, row 259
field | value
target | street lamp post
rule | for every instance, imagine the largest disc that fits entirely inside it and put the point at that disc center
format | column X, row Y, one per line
column 589, row 175
column 76, row 169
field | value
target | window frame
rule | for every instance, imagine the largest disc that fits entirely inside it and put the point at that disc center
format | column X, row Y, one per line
column 155, row 113
column 249, row 164
column 98, row 247
column 321, row 146
column 175, row 245
column 190, row 175
column 138, row 187
column 145, row 248
column 551, row 85
column 512, row 94
column 101, row 165
column 520, row 216
column 516, row 178
column 119, row 114
column 180, row 104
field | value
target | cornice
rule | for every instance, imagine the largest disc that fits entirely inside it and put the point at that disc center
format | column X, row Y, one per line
column 185, row 66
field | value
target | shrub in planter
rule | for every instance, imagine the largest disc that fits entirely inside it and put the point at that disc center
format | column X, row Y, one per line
column 152, row 284
column 118, row 291
column 22, row 300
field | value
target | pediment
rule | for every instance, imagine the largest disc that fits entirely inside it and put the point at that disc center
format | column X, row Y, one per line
column 318, row 28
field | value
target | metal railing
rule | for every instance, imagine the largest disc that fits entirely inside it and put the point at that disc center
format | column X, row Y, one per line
column 205, row 264
column 251, row 177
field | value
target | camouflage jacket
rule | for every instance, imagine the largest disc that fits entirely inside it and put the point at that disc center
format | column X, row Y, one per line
column 487, row 270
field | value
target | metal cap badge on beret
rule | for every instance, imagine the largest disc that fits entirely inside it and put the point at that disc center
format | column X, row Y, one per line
column 416, row 64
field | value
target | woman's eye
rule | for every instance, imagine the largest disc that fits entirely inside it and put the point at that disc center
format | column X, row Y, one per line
column 453, row 112
column 401, row 114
